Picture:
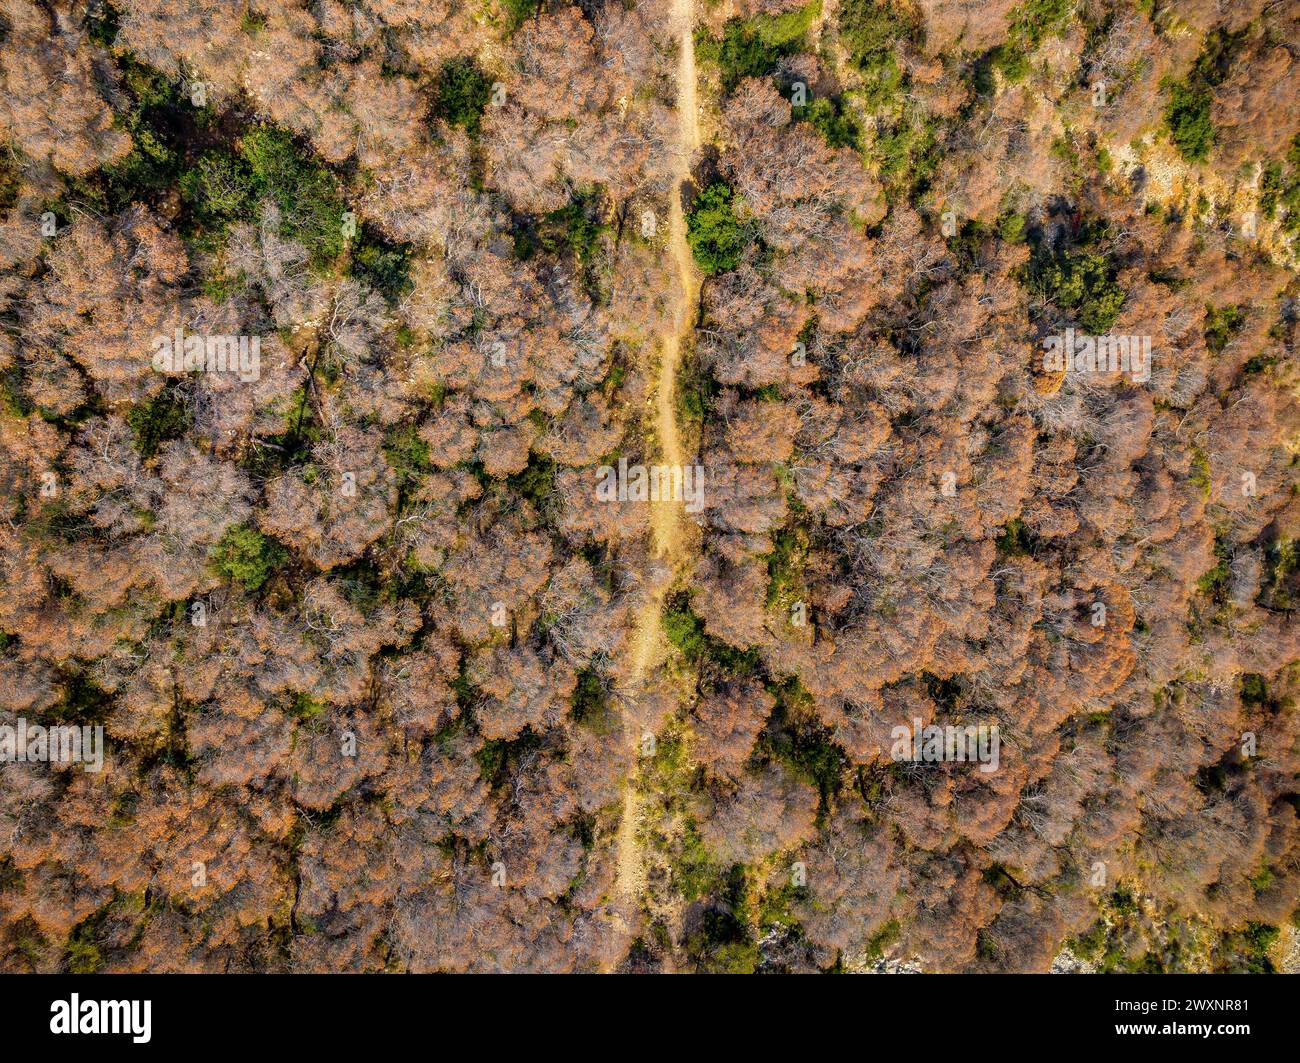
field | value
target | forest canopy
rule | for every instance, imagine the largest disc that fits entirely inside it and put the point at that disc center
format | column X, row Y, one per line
column 323, row 322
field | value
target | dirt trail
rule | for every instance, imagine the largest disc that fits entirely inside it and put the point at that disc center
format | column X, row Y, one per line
column 665, row 517
column 687, row 281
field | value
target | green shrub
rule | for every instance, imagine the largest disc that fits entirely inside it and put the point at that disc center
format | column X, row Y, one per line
column 1254, row 689
column 225, row 187
column 1091, row 945
column 574, row 229
column 684, row 629
column 517, row 12
column 1013, row 62
column 591, row 704
column 218, row 189
column 581, row 229
column 837, row 126
column 1222, row 324
column 1261, row 936
column 498, row 757
column 1016, row 540
column 871, row 32
column 101, row 23
column 157, row 420
column 383, row 265
column 720, row 942
column 717, row 236
column 311, row 205
column 11, row 179
column 246, row 556
column 882, row 939
column 1188, row 119
column 691, row 404
column 906, row 152
column 304, row 707
column 786, row 28
column 536, row 481
column 1079, row 279
column 154, row 117
column 1214, row 583
column 1011, row 227
column 798, row 738
column 1028, row 26
column 695, row 390
column 1085, row 283
column 407, row 453
column 1200, row 472
column 1187, row 115
column 1282, row 575
column 1280, row 186
column 1245, row 951
column 463, row 94
column 785, row 565
column 1272, row 182
column 753, row 47
column 83, row 957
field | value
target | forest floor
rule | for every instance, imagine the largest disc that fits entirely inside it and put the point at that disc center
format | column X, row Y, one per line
column 669, row 541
